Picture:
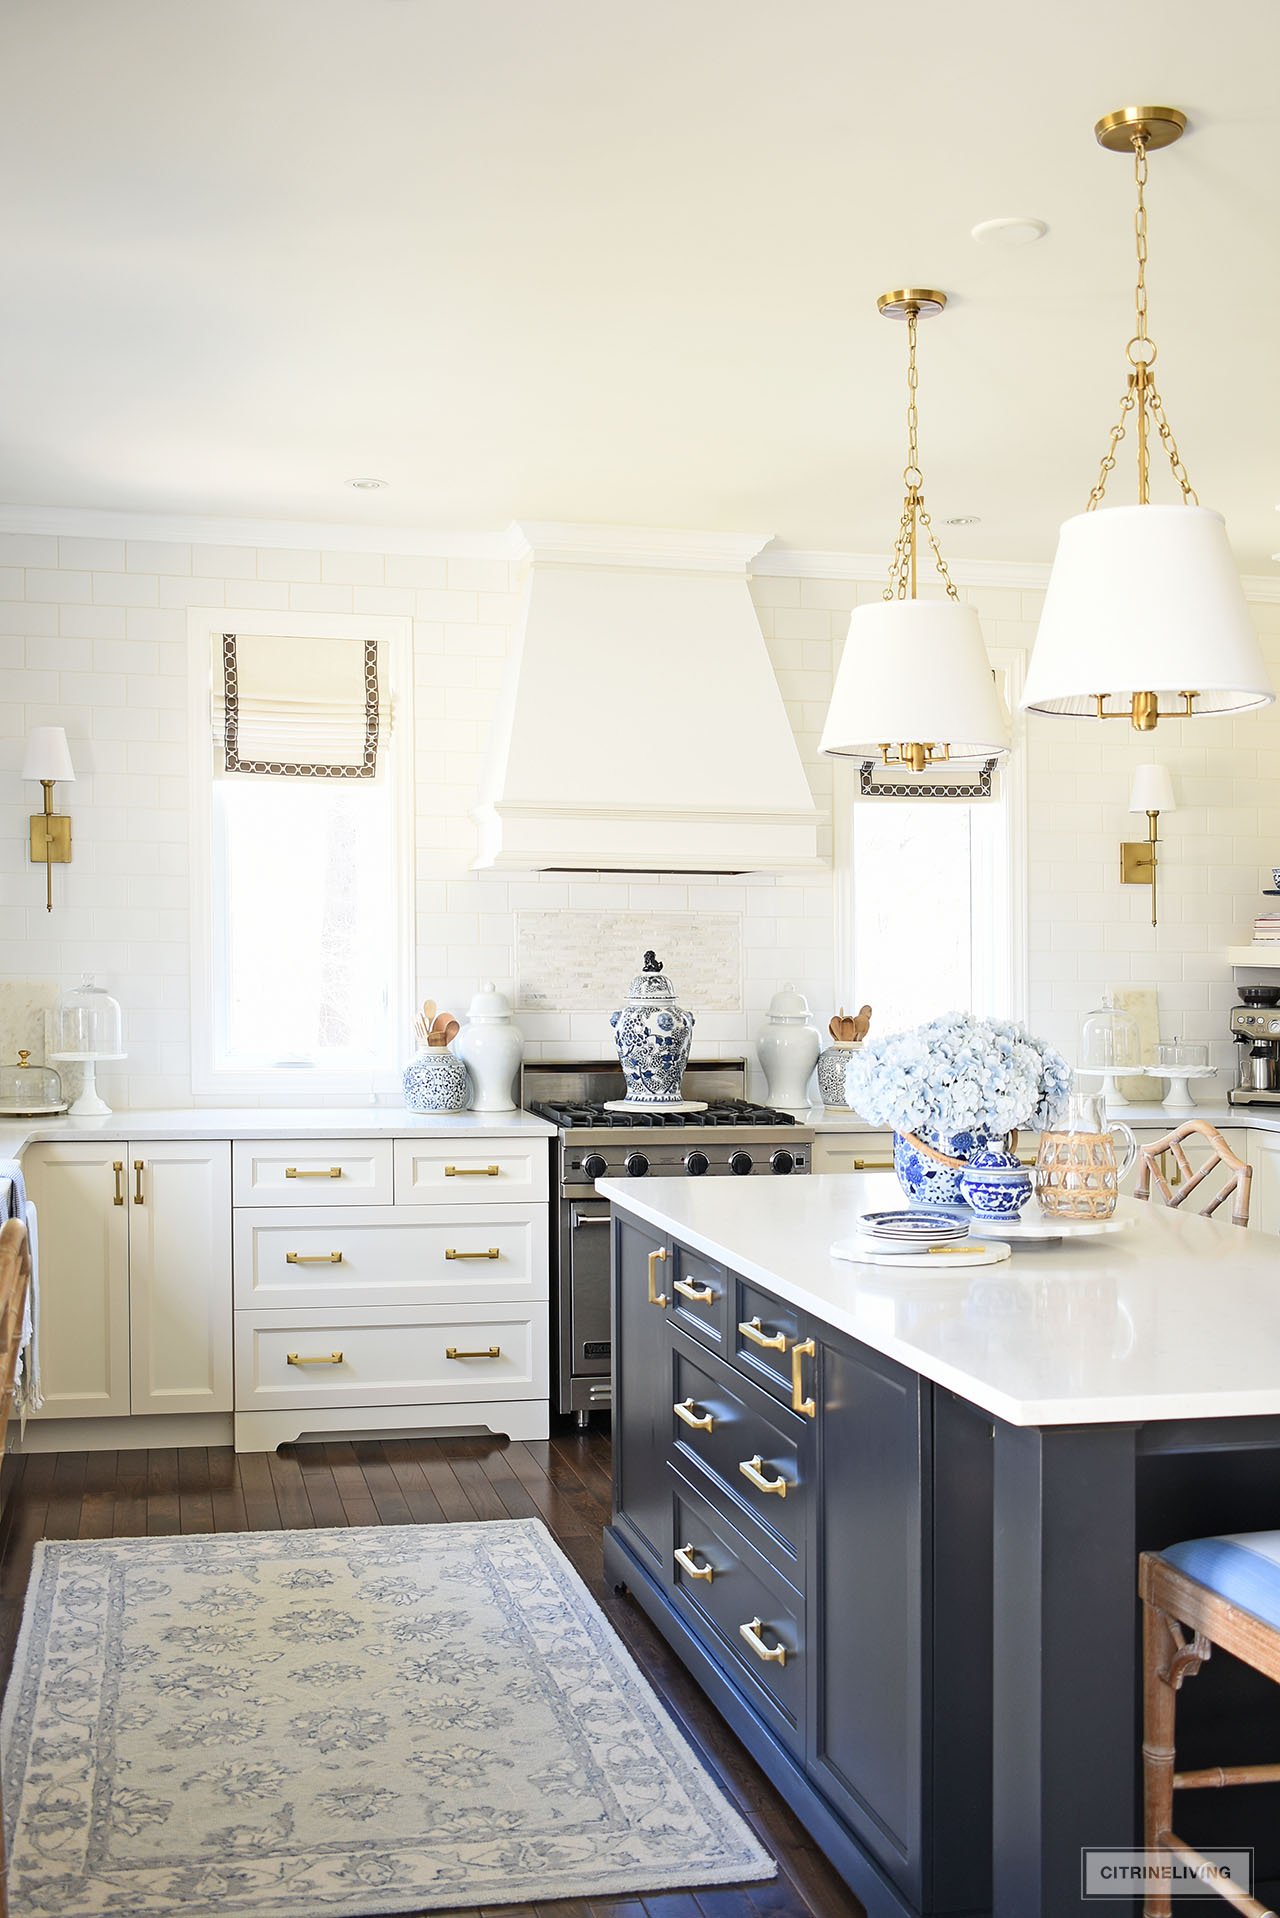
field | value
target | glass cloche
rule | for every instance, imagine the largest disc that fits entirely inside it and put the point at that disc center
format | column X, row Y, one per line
column 86, row 1023
column 27, row 1090
column 1111, row 1046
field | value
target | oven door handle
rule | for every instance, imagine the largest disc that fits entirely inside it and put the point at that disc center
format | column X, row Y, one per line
column 590, row 1218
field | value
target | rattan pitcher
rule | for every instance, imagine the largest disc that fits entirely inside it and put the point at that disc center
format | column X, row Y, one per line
column 1077, row 1172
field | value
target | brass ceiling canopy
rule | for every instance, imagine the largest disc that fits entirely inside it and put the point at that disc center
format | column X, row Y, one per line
column 1155, row 127
column 904, row 301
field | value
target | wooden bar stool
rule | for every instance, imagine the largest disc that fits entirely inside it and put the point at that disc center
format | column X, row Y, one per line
column 1175, row 1191
column 1205, row 1592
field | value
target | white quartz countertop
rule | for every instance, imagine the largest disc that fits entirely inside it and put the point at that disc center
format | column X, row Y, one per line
column 263, row 1122
column 1174, row 1317
column 1217, row 1112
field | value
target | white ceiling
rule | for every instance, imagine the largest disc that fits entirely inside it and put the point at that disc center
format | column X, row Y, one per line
column 587, row 260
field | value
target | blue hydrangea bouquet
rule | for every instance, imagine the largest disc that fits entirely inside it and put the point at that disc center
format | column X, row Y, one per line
column 949, row 1089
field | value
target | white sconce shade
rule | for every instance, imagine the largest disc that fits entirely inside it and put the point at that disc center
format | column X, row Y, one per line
column 48, row 755
column 1145, row 599
column 915, row 669
column 1152, row 790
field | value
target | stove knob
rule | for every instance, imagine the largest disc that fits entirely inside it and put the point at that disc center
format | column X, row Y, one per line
column 696, row 1163
column 594, row 1167
column 740, row 1162
column 637, row 1165
column 783, row 1162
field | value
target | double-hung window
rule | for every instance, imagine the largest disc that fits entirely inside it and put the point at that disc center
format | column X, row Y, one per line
column 301, row 803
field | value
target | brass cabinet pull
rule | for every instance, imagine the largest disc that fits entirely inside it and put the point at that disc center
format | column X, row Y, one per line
column 313, row 1258
column 750, row 1469
column 301, row 1172
column 754, row 1333
column 300, row 1358
column 471, row 1172
column 137, row 1182
column 873, row 1165
column 806, row 1349
column 770, row 1654
column 684, row 1411
column 490, row 1352
column 492, row 1253
column 655, row 1259
column 117, row 1166
column 700, row 1294
column 685, row 1560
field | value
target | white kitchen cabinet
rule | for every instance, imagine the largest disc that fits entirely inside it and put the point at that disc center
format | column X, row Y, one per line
column 134, row 1276
column 853, row 1152
column 1264, row 1191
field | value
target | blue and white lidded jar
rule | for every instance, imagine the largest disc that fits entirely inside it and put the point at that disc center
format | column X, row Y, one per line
column 995, row 1184
column 436, row 1081
column 653, row 1036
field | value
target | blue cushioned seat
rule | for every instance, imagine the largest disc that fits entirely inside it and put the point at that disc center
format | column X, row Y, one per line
column 1243, row 1567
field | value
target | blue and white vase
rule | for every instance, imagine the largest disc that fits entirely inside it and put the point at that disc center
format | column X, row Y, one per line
column 652, row 1035
column 995, row 1185
column 924, row 1179
column 436, row 1081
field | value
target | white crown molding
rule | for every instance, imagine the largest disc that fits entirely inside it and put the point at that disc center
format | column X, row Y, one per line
column 199, row 529
column 796, row 562
column 652, row 548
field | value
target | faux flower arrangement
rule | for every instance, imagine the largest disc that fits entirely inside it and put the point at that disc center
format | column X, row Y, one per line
column 958, row 1074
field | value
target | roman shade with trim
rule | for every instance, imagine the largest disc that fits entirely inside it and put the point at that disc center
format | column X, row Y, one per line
column 297, row 708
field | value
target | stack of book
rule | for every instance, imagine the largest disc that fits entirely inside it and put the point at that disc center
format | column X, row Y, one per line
column 1266, row 929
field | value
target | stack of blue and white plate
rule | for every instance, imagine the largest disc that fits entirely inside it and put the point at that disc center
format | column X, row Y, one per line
column 912, row 1229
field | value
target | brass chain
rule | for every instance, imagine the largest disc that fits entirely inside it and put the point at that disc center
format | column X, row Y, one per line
column 1142, row 391
column 901, row 581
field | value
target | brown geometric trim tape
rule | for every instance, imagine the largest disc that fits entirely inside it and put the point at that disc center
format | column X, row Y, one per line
column 978, row 789
column 294, row 769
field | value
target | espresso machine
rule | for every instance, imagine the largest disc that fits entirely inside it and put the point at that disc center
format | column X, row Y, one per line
column 1255, row 1027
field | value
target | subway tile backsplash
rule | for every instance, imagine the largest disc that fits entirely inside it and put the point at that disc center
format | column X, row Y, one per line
column 92, row 637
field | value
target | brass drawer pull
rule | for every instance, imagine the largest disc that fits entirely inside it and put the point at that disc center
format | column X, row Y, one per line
column 754, row 1333
column 873, row 1165
column 471, row 1172
column 750, row 1469
column 137, row 1182
column 492, row 1253
column 806, row 1349
column 313, row 1258
column 770, row 1654
column 655, row 1260
column 700, row 1294
column 490, row 1352
column 301, row 1172
column 298, row 1358
column 685, row 1560
column 117, row 1166
column 685, row 1412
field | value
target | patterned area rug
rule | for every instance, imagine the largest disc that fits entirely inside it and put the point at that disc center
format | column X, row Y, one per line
column 389, row 1719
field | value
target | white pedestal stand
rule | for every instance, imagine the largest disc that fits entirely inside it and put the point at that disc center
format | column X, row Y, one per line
column 90, row 1104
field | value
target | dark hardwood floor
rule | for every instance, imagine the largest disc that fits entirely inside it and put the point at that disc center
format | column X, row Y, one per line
column 564, row 1481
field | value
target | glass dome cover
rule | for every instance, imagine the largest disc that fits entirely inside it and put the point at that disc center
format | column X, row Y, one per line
column 86, row 1024
column 1110, row 1041
column 26, row 1089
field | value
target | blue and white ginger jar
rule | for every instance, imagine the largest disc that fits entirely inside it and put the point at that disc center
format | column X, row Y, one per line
column 995, row 1185
column 652, row 1035
column 925, row 1180
column 436, row 1081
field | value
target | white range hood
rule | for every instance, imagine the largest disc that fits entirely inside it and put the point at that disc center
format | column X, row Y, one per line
column 641, row 728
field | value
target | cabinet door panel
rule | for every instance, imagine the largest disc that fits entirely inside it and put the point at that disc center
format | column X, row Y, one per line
column 866, row 1725
column 83, row 1280
column 642, row 1392
column 180, row 1275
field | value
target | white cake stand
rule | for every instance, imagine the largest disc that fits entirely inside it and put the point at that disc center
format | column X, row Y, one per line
column 1178, row 1097
column 1110, row 1077
column 90, row 1104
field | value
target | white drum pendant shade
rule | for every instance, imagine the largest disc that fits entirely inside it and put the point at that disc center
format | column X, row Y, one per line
column 915, row 669
column 1145, row 599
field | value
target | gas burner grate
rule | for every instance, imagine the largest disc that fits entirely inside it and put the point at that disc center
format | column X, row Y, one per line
column 724, row 1112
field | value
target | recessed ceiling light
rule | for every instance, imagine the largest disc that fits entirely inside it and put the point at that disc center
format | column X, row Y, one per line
column 1016, row 231
column 365, row 485
column 963, row 519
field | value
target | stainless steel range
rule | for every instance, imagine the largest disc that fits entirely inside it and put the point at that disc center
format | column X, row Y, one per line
column 731, row 1139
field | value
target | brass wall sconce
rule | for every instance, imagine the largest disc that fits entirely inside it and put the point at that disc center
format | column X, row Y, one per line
column 48, row 760
column 1151, row 793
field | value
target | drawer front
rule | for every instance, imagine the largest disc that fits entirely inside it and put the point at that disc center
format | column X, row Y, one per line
column 750, row 1447
column 853, row 1152
column 755, row 1349
column 743, row 1590
column 385, row 1357
column 311, row 1172
column 470, row 1171
column 699, row 1294
column 378, row 1256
